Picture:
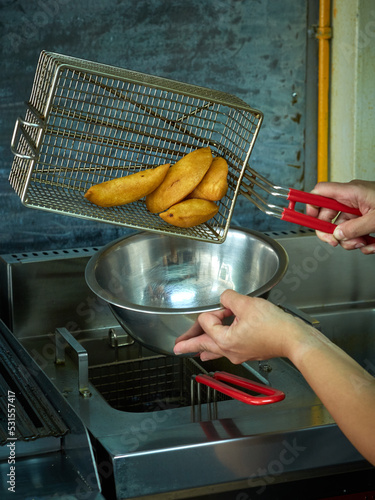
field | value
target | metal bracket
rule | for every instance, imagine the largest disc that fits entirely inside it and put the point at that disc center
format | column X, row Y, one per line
column 83, row 359
column 320, row 32
column 323, row 33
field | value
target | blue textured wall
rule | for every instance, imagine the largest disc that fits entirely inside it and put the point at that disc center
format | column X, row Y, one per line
column 255, row 49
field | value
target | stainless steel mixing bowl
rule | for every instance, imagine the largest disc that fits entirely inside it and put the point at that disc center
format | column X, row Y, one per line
column 157, row 285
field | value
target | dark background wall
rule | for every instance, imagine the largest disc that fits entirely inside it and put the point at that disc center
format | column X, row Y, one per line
column 260, row 50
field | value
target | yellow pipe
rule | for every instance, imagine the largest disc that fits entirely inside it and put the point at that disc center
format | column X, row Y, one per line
column 323, row 34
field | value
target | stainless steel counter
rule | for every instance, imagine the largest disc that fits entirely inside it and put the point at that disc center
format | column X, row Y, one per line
column 162, row 452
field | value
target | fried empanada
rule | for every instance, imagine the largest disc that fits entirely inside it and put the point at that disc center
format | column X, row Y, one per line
column 180, row 180
column 214, row 184
column 189, row 213
column 123, row 190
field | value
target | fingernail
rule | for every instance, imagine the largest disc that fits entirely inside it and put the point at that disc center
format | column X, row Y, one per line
column 359, row 245
column 338, row 234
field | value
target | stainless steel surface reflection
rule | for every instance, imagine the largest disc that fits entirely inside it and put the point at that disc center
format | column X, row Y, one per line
column 157, row 285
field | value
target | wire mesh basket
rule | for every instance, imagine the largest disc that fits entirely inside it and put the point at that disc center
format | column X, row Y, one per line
column 151, row 384
column 87, row 123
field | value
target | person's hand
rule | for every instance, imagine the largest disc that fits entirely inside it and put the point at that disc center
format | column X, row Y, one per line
column 351, row 229
column 260, row 330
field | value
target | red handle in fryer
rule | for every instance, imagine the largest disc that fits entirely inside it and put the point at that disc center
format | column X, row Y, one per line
column 291, row 215
column 268, row 394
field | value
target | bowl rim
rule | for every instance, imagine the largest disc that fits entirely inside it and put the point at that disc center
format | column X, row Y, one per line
column 111, row 299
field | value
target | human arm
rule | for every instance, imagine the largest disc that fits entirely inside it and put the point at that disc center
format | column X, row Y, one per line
column 351, row 228
column 262, row 331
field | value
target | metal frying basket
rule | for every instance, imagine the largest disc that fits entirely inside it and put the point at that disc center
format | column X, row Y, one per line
column 87, row 123
column 153, row 383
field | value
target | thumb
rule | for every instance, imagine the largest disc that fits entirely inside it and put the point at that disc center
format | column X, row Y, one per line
column 354, row 228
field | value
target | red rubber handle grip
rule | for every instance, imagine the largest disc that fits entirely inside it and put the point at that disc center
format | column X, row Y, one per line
column 320, row 201
column 290, row 215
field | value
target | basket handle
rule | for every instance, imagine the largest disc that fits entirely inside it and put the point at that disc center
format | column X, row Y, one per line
column 267, row 395
column 290, row 215
column 20, row 127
